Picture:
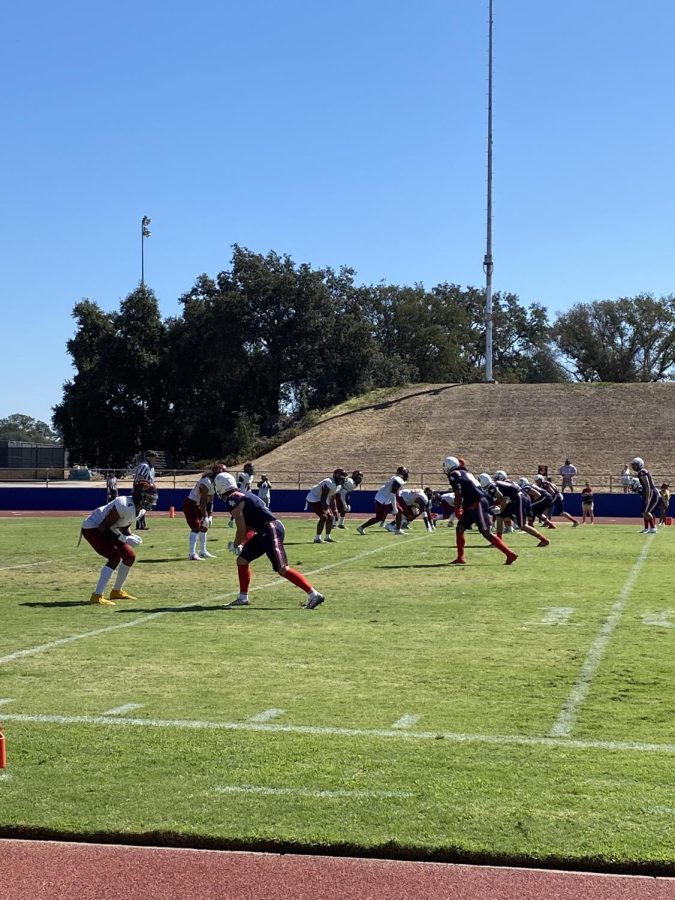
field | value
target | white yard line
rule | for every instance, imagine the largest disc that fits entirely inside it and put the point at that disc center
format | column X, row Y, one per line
column 307, row 792
column 568, row 714
column 42, row 562
column 376, row 733
column 149, row 617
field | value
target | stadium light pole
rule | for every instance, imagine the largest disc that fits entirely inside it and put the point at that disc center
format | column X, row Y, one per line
column 145, row 233
column 487, row 260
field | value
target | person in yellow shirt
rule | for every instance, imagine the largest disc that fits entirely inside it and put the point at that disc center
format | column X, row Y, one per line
column 664, row 502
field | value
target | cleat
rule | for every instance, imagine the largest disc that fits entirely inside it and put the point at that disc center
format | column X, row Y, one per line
column 341, row 526
column 390, row 527
column 550, row 525
column 99, row 600
column 651, row 531
column 206, row 555
column 121, row 595
column 575, row 523
column 460, row 561
column 313, row 602
column 329, row 540
column 510, row 559
column 240, row 601
column 318, row 539
column 195, row 558
column 360, row 530
column 399, row 531
column 544, row 542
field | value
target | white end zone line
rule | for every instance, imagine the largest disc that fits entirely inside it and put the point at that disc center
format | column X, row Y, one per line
column 376, row 733
column 568, row 714
column 149, row 617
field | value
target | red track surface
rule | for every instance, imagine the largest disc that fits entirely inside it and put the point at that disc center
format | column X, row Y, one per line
column 37, row 870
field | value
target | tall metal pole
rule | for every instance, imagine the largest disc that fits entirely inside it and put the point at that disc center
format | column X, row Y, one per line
column 145, row 233
column 487, row 261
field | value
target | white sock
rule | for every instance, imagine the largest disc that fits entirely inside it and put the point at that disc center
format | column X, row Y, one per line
column 103, row 579
column 122, row 573
column 242, row 596
column 341, row 520
column 202, row 541
column 193, row 543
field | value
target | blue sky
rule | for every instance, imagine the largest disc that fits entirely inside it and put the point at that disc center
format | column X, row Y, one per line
column 342, row 134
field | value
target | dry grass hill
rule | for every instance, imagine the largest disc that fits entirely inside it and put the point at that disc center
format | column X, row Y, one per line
column 516, row 427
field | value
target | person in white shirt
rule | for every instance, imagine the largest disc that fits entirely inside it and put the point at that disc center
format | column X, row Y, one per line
column 342, row 497
column 413, row 503
column 386, row 499
column 265, row 490
column 320, row 500
column 108, row 530
column 196, row 509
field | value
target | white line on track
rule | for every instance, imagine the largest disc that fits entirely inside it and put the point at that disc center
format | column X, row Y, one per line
column 120, row 710
column 568, row 714
column 451, row 737
column 42, row 562
column 308, row 792
column 149, row 617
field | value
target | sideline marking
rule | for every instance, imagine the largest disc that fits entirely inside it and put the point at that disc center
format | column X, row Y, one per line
column 150, row 616
column 307, row 792
column 451, row 737
column 660, row 619
column 267, row 715
column 406, row 721
column 43, row 562
column 568, row 714
column 120, row 710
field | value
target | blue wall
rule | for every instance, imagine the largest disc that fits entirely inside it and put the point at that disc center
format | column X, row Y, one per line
column 87, row 498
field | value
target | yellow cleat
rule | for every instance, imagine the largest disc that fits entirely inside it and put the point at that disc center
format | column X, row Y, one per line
column 100, row 600
column 121, row 595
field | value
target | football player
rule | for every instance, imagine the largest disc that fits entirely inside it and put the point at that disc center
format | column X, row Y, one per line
column 320, row 500
column 412, row 504
column 556, row 508
column 386, row 499
column 512, row 504
column 650, row 495
column 343, row 496
column 197, row 511
column 107, row 530
column 258, row 532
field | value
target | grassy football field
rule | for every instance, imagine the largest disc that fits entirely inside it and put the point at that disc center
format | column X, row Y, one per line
column 520, row 713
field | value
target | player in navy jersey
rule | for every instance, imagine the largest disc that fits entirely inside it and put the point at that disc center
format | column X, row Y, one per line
column 650, row 495
column 475, row 509
column 556, row 508
column 541, row 500
column 512, row 504
column 258, row 532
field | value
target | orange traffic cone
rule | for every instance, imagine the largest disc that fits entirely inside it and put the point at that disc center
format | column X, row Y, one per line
column 172, row 512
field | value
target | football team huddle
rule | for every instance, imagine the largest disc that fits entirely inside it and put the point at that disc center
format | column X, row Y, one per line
column 495, row 504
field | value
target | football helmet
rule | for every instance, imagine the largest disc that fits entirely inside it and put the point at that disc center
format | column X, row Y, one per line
column 637, row 464
column 523, row 482
column 539, row 478
column 144, row 494
column 450, row 463
column 403, row 472
column 224, row 483
column 339, row 475
column 249, row 468
column 484, row 480
column 357, row 477
column 500, row 475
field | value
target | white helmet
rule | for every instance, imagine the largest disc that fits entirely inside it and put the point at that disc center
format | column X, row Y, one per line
column 484, row 480
column 635, row 484
column 223, row 483
column 539, row 478
column 450, row 463
column 637, row 464
column 523, row 482
column 500, row 475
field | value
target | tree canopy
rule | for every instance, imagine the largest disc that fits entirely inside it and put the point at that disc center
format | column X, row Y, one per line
column 19, row 427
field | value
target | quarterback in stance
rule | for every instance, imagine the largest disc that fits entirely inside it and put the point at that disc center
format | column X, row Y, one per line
column 196, row 507
column 475, row 509
column 265, row 536
column 107, row 530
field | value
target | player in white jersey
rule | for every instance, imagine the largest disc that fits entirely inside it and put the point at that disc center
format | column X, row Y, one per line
column 108, row 530
column 386, row 499
column 197, row 511
column 447, row 504
column 412, row 504
column 320, row 500
column 342, row 497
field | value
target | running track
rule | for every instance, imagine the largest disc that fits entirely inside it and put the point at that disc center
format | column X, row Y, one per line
column 41, row 870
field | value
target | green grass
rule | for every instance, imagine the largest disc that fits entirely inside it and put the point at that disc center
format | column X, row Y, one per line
column 463, row 652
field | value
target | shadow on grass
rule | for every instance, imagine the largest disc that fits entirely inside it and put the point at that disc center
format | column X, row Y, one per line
column 198, row 608
column 53, row 604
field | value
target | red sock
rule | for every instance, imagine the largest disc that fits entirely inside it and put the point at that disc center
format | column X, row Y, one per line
column 461, row 543
column 499, row 543
column 297, row 578
column 244, row 573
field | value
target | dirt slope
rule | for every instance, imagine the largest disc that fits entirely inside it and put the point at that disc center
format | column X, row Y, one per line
column 515, row 427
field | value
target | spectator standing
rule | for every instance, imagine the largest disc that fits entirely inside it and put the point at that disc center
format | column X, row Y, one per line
column 111, row 487
column 626, row 479
column 145, row 471
column 244, row 483
column 664, row 502
column 567, row 471
column 265, row 490
column 587, row 504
